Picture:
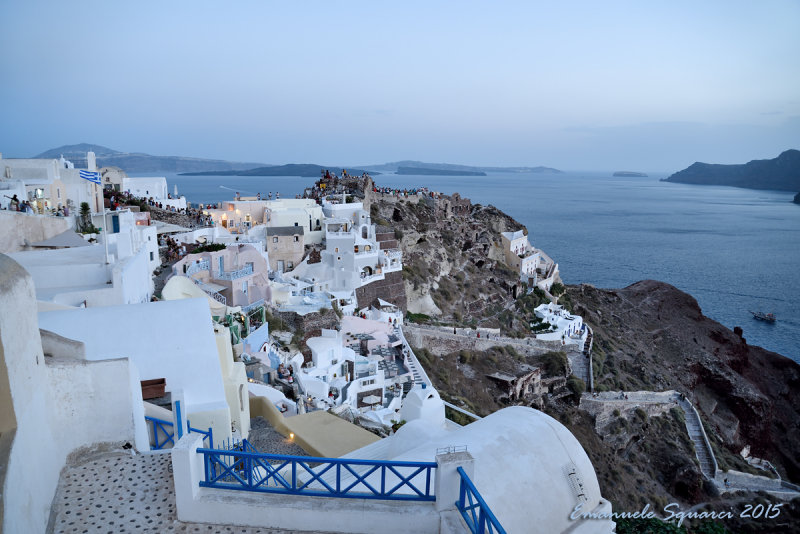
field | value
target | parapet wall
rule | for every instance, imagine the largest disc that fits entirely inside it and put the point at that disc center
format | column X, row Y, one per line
column 439, row 342
column 17, row 230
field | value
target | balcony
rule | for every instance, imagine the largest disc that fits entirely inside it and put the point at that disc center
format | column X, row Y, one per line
column 233, row 275
column 202, row 265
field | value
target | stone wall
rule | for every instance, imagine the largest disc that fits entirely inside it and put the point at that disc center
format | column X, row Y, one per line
column 439, row 342
column 310, row 325
column 390, row 289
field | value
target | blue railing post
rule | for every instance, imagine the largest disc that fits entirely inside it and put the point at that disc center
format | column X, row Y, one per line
column 484, row 520
column 178, row 418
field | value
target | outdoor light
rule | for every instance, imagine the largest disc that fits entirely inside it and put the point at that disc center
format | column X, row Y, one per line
column 291, row 435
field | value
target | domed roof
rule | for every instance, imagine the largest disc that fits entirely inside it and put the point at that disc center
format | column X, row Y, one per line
column 423, row 403
column 528, row 468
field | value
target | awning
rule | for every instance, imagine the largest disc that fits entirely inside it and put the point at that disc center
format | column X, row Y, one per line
column 64, row 240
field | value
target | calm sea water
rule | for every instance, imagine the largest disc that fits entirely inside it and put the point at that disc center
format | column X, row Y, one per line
column 733, row 249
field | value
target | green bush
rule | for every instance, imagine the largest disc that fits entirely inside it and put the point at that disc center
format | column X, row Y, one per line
column 211, row 247
column 557, row 289
column 555, row 363
column 576, row 385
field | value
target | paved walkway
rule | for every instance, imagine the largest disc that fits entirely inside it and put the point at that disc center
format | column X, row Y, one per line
column 118, row 492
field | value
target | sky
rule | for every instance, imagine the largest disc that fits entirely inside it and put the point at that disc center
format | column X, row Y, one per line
column 647, row 86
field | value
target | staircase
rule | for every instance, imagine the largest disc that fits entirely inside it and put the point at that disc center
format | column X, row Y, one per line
column 702, row 448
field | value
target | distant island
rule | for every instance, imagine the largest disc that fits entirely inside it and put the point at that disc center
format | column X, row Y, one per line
column 781, row 173
column 132, row 162
column 437, row 172
column 796, row 198
column 139, row 162
column 394, row 166
column 304, row 170
column 630, row 174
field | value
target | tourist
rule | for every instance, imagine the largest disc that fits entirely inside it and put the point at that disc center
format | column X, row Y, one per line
column 14, row 204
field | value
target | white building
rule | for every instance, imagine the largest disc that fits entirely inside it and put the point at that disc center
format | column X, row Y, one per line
column 528, row 467
column 567, row 328
column 147, row 187
column 520, row 254
column 94, row 275
column 54, row 401
column 352, row 257
column 239, row 216
column 175, row 340
column 48, row 184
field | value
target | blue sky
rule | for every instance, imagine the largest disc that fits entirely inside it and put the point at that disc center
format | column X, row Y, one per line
column 574, row 85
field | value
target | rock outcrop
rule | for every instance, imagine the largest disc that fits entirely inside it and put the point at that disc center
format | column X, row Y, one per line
column 781, row 173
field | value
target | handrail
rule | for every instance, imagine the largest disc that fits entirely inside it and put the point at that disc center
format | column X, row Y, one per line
column 253, row 306
column 476, row 513
column 202, row 265
column 169, row 436
column 233, row 275
column 160, row 424
column 318, row 477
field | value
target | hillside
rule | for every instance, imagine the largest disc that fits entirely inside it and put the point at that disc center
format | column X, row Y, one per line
column 422, row 171
column 780, row 174
column 395, row 165
column 649, row 336
column 136, row 162
column 306, row 170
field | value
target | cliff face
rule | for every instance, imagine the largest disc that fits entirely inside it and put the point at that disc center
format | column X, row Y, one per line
column 652, row 336
column 648, row 336
column 781, row 173
column 452, row 260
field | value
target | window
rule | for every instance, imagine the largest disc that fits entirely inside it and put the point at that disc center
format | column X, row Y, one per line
column 296, row 224
column 244, row 288
column 58, row 192
column 274, row 239
column 151, row 256
column 221, row 264
column 336, row 249
column 290, row 264
column 368, row 382
column 296, row 239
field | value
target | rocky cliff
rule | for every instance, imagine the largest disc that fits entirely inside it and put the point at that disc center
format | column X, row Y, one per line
column 649, row 336
column 781, row 173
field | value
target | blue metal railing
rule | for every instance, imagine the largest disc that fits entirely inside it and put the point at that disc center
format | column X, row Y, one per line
column 209, row 434
column 165, row 429
column 476, row 513
column 249, row 470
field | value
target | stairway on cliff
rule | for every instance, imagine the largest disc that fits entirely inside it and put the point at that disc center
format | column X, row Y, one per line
column 703, row 451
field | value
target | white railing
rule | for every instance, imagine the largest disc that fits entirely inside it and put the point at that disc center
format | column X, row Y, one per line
column 210, row 292
column 393, row 253
column 233, row 275
column 253, row 306
column 202, row 265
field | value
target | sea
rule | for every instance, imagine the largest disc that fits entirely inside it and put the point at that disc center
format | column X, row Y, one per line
column 734, row 250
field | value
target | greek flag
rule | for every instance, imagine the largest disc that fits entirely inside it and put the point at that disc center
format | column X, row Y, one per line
column 91, row 176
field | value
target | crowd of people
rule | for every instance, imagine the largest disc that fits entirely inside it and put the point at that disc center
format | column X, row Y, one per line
column 396, row 192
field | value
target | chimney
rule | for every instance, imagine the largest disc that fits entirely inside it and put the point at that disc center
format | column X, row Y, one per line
column 91, row 162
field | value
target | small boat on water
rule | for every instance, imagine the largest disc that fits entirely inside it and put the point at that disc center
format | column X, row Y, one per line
column 761, row 316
